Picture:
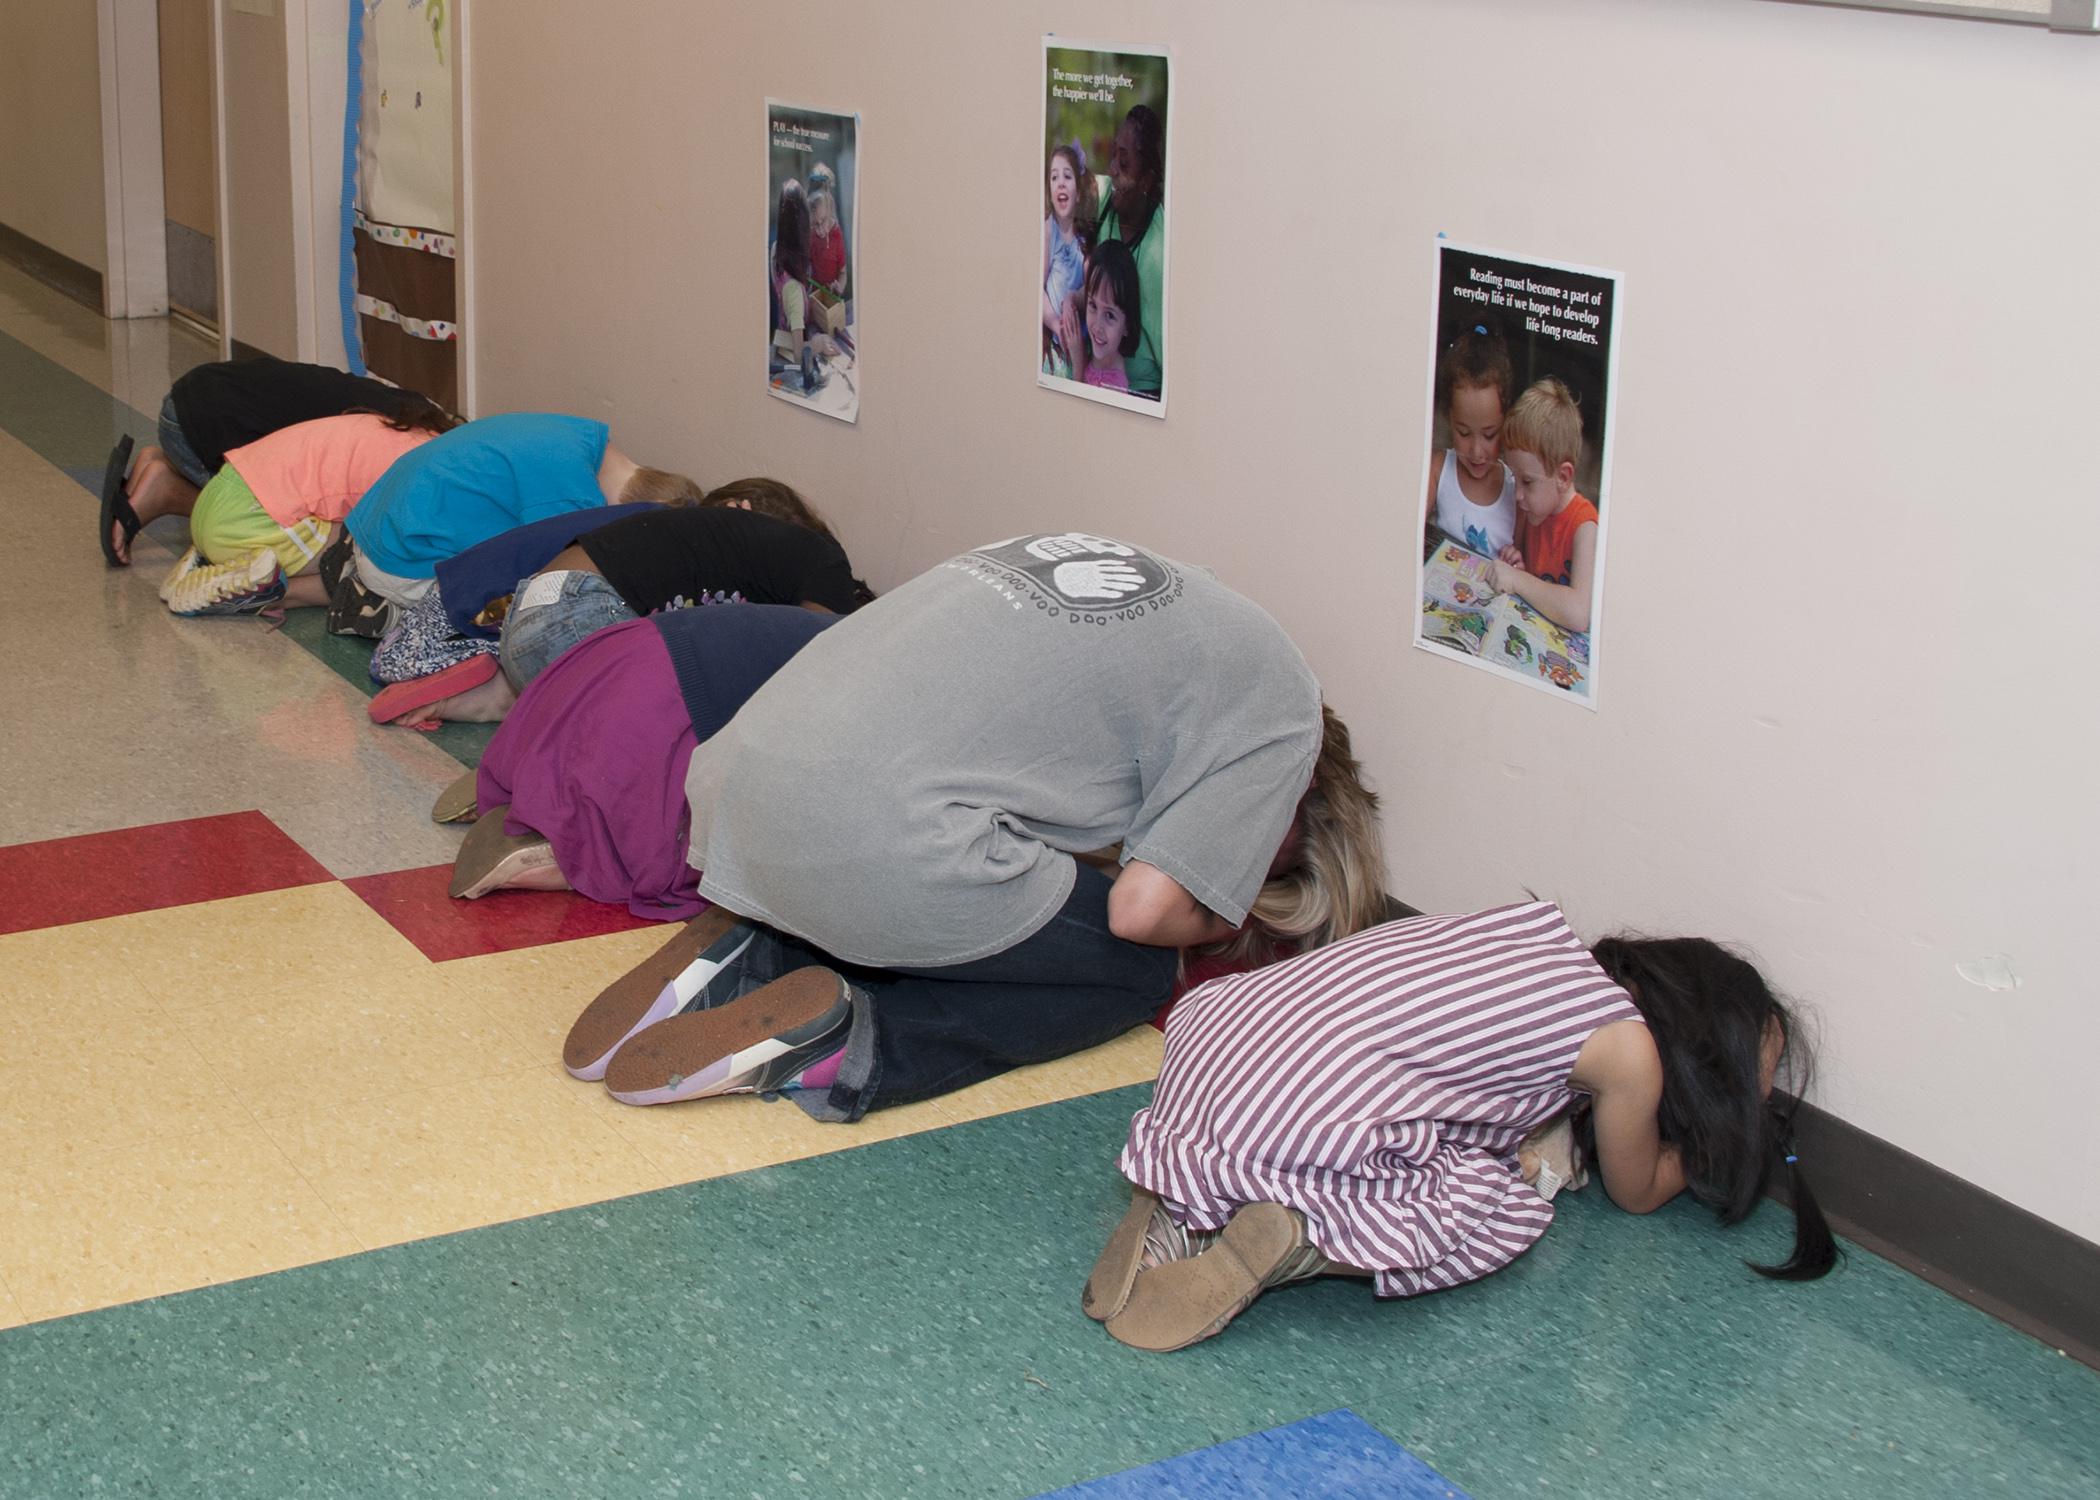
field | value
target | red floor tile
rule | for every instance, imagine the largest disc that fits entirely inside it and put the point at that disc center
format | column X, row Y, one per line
column 415, row 904
column 59, row 881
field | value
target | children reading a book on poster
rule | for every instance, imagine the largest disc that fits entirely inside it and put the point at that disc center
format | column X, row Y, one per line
column 1068, row 229
column 1552, row 564
column 1113, row 326
column 1472, row 494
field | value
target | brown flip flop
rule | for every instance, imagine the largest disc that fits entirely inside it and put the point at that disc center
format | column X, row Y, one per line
column 458, row 802
column 1186, row 1301
column 649, row 992
column 490, row 859
column 1108, row 1287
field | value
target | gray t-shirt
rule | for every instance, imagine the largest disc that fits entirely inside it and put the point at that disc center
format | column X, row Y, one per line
column 909, row 790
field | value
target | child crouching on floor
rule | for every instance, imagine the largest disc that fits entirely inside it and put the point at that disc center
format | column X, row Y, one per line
column 259, row 526
column 1361, row 1110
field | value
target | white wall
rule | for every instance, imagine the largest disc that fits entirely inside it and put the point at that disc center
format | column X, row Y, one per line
column 1849, row 707
column 51, row 128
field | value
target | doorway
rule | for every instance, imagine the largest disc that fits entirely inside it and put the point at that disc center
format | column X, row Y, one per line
column 189, row 162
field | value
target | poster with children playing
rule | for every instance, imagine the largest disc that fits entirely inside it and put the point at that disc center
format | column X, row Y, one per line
column 1516, row 489
column 812, row 198
column 1101, row 298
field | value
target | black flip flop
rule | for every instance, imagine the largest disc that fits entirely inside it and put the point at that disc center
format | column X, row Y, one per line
column 116, row 506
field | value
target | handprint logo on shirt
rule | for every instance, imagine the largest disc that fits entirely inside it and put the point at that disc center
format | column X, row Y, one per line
column 1096, row 580
column 1075, row 544
column 1080, row 571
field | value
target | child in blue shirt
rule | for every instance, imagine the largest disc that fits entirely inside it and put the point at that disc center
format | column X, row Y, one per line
column 482, row 479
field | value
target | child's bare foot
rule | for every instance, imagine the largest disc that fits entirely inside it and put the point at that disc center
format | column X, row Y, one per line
column 484, row 704
column 154, row 490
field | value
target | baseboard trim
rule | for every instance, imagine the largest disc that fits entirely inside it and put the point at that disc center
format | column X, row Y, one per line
column 1994, row 1255
column 61, row 273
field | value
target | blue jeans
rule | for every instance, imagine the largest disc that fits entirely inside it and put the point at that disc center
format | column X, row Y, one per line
column 918, row 1033
column 178, row 448
column 539, row 632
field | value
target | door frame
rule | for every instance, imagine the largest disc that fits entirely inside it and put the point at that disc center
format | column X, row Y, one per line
column 134, row 201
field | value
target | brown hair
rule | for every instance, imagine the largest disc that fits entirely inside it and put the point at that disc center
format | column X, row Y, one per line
column 769, row 497
column 1478, row 357
column 1086, row 206
column 660, row 487
column 1545, row 421
column 414, row 412
column 1338, row 885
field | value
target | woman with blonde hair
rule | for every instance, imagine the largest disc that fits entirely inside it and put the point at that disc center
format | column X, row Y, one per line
column 907, row 829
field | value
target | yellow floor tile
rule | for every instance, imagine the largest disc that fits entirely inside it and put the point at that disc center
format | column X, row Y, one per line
column 90, row 1068
column 539, row 992
column 55, row 958
column 1131, row 1058
column 188, row 1213
column 11, row 1314
column 316, row 940
column 705, row 1138
column 495, row 1149
column 376, row 1036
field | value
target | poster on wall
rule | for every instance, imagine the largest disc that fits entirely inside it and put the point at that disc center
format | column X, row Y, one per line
column 812, row 236
column 405, row 125
column 1101, row 304
column 1516, row 493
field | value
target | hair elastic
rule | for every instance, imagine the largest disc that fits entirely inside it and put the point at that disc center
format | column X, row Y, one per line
column 1791, row 1158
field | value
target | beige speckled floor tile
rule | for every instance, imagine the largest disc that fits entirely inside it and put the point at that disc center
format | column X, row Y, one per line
column 11, row 1314
column 1131, row 1058
column 204, row 1209
column 498, row 1148
column 189, row 717
column 713, row 1137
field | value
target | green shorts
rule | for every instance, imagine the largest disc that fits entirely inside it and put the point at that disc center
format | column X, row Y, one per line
column 229, row 523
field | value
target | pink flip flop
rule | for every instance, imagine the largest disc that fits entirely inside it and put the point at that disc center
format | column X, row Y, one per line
column 400, row 698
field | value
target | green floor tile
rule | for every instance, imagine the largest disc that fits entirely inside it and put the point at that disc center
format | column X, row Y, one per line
column 902, row 1320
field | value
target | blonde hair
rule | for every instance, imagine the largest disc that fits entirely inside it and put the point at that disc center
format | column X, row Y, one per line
column 660, row 487
column 1545, row 421
column 1338, row 885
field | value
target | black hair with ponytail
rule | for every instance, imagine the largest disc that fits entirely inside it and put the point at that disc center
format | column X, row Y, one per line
column 1710, row 1013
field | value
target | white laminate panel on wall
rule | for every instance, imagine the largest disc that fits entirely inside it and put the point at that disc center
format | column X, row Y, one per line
column 1850, row 715
column 51, row 129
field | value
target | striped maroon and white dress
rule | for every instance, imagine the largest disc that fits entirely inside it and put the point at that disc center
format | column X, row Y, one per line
column 1380, row 1086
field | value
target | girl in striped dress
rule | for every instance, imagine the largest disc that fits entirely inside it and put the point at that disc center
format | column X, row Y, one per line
column 1358, row 1111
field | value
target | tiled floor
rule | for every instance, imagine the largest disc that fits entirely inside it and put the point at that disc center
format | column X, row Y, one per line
column 248, row 1036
